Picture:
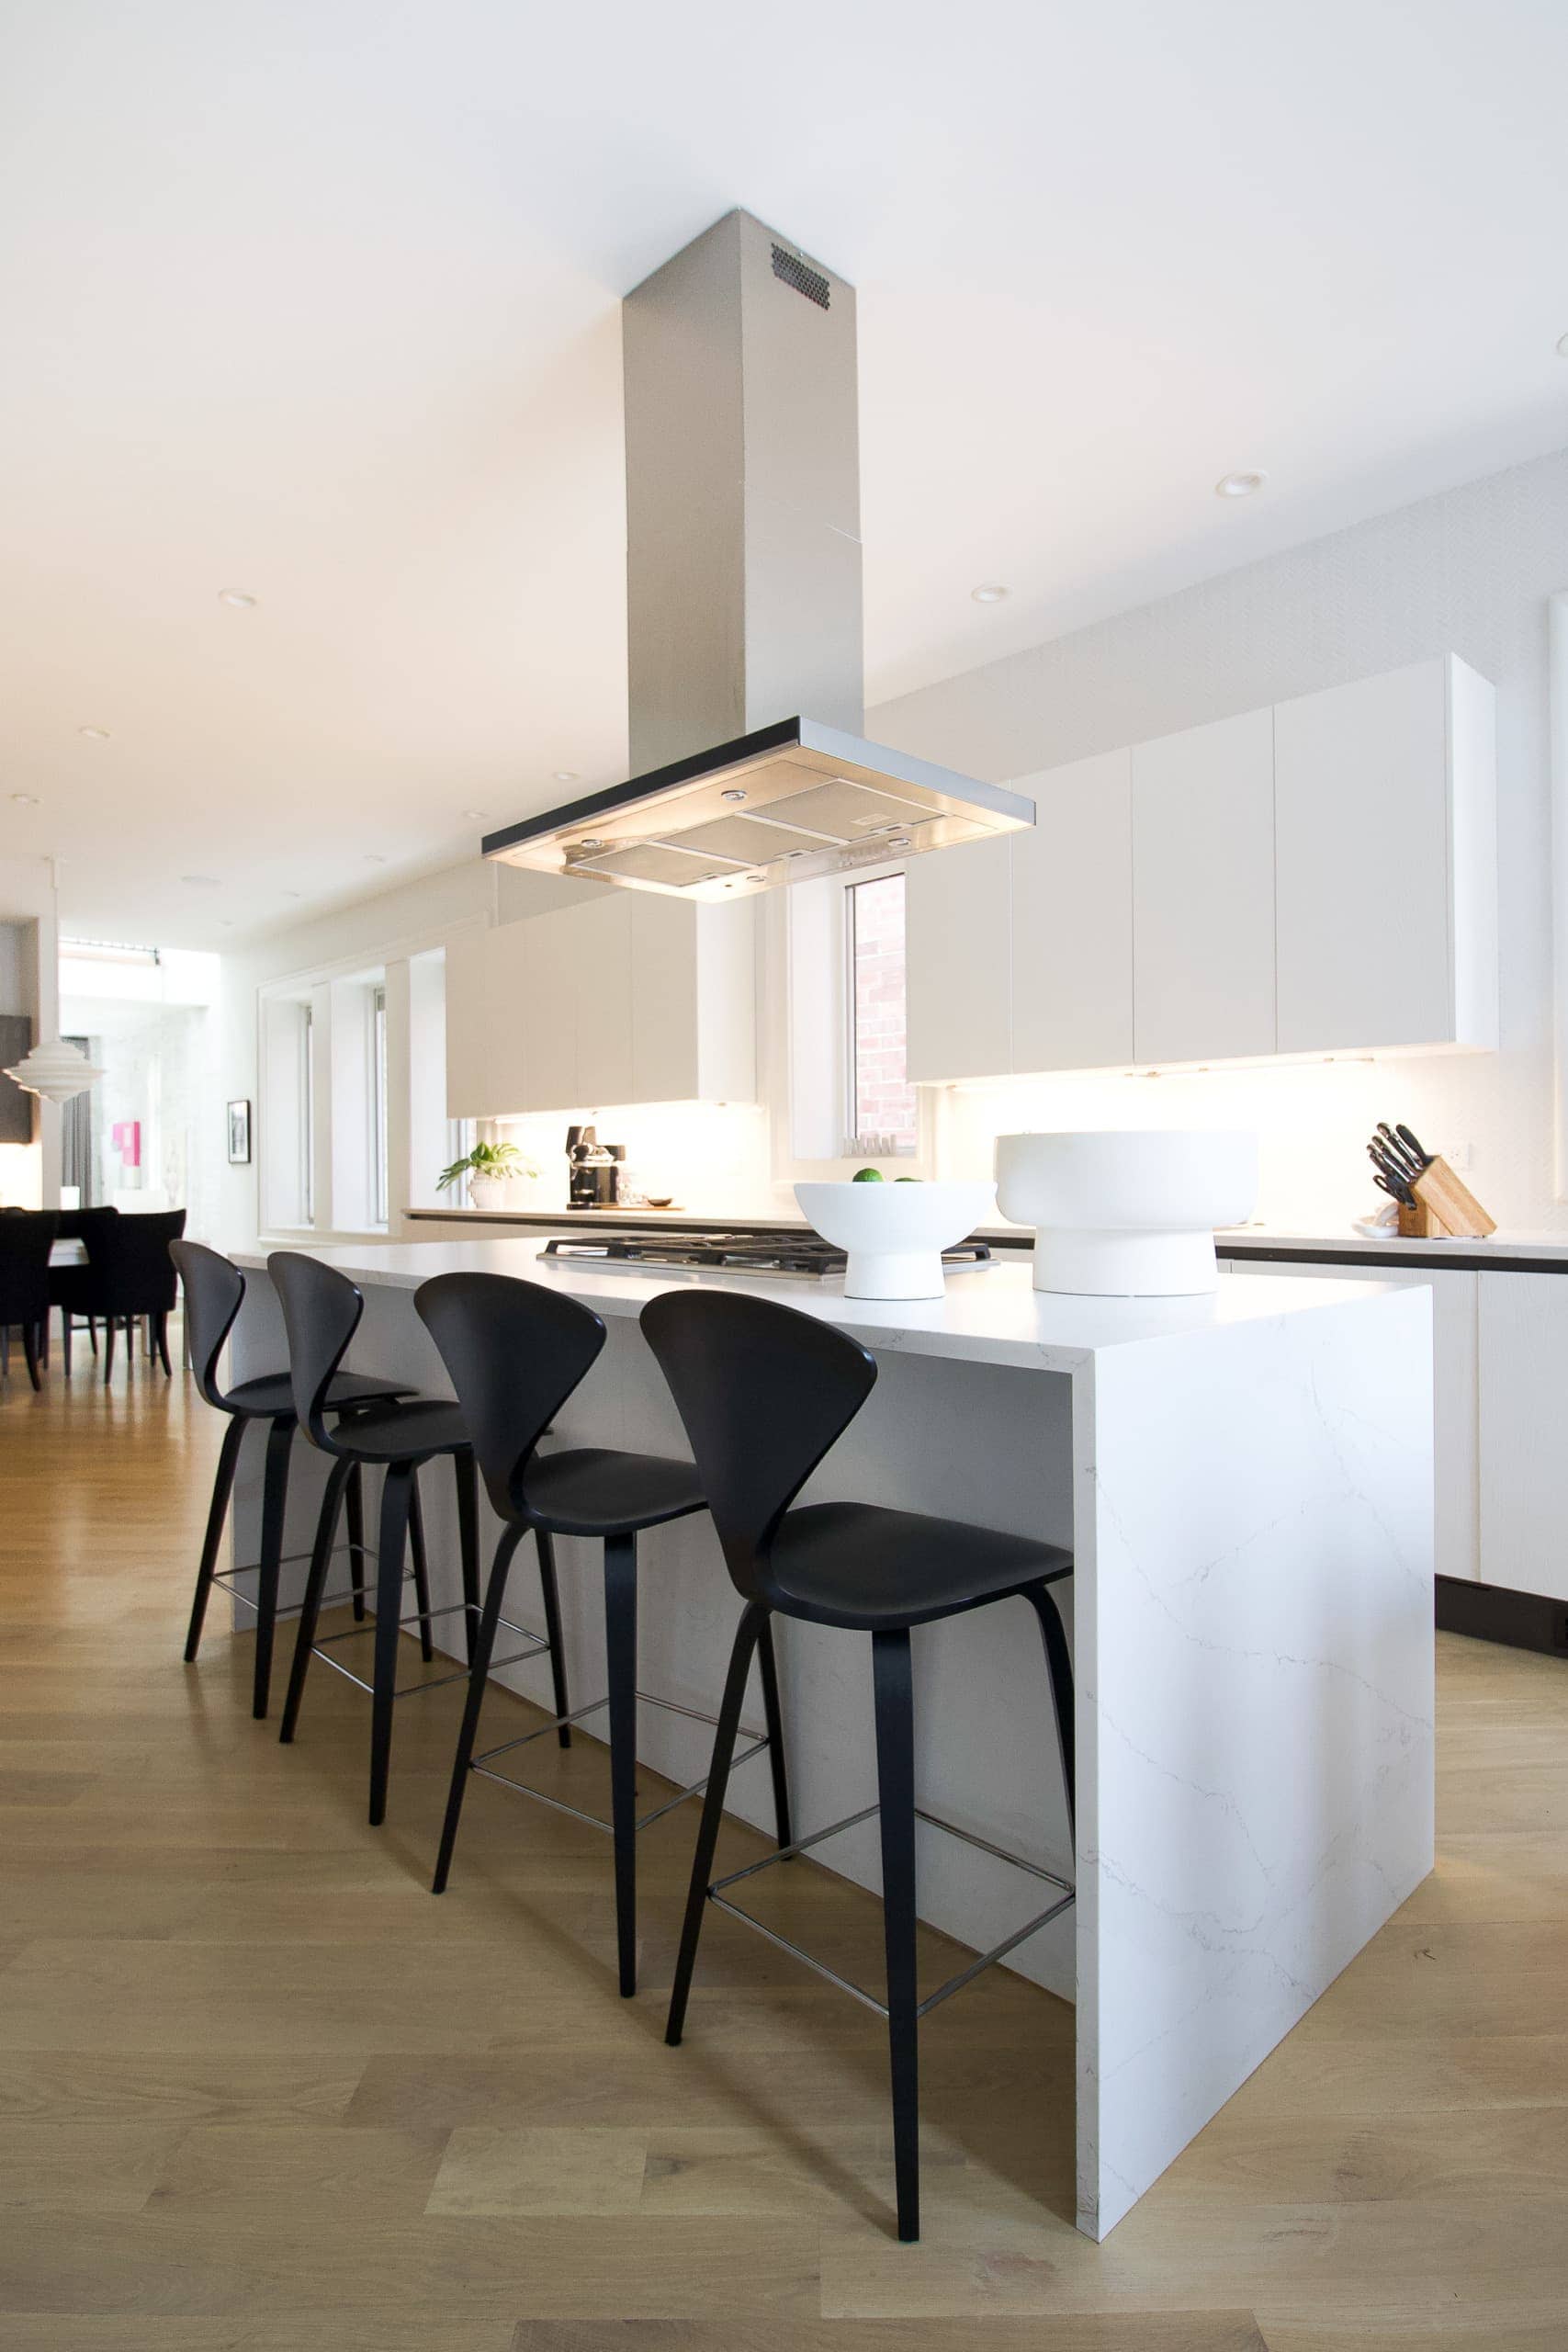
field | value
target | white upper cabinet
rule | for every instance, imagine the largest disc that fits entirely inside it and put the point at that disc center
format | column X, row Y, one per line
column 1072, row 917
column 485, row 1044
column 958, row 924
column 600, row 980
column 1319, row 877
column 624, row 998
column 1204, row 892
column 1387, row 874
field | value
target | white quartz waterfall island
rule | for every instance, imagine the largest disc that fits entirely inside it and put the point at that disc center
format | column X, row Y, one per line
column 1247, row 1482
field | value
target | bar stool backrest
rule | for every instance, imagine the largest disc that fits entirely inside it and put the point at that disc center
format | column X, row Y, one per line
column 514, row 1351
column 764, row 1393
column 320, row 1314
column 27, row 1236
column 214, row 1290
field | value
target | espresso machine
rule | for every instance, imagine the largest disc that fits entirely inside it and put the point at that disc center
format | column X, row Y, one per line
column 593, row 1170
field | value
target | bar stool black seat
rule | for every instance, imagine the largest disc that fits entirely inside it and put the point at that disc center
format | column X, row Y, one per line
column 515, row 1352
column 214, row 1292
column 764, row 1393
column 321, row 1311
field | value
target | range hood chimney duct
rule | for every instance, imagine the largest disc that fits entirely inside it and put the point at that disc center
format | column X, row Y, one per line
column 743, row 605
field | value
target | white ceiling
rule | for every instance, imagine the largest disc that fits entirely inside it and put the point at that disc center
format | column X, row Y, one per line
column 320, row 303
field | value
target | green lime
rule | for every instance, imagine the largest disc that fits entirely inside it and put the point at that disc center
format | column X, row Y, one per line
column 906, row 1179
column 867, row 1176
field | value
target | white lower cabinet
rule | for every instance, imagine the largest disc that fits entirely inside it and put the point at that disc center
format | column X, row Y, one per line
column 627, row 998
column 1524, row 1431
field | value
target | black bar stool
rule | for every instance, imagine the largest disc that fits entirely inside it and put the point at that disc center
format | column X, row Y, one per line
column 764, row 1393
column 322, row 1310
column 214, row 1290
column 515, row 1352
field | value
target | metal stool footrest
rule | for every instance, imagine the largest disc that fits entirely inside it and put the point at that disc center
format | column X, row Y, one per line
column 851, row 1821
column 286, row 1559
column 595, row 1706
column 424, row 1617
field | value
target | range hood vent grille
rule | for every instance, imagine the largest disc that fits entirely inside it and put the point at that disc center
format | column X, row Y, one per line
column 809, row 282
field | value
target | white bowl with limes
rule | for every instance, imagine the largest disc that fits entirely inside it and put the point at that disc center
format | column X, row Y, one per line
column 895, row 1234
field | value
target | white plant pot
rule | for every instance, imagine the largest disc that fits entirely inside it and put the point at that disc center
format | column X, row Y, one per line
column 1127, row 1214
column 488, row 1192
column 895, row 1234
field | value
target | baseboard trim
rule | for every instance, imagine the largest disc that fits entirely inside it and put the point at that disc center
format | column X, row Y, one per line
column 1495, row 1613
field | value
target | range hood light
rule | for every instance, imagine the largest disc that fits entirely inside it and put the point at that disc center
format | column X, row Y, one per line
column 733, row 794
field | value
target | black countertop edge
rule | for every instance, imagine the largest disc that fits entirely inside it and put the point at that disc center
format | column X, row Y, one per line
column 1444, row 1261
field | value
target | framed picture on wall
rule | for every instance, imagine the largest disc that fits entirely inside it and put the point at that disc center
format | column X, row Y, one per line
column 239, row 1135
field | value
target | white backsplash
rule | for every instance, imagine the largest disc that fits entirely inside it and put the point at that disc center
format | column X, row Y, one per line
column 712, row 1157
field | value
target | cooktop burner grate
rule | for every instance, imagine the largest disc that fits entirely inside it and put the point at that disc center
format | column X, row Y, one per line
column 807, row 1255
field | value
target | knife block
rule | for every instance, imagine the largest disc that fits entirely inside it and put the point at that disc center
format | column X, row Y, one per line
column 1443, row 1205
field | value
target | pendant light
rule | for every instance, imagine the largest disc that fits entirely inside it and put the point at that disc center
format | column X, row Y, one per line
column 57, row 1070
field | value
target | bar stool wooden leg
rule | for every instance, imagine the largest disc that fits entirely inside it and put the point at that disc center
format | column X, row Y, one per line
column 355, row 1492
column 753, row 1623
column 396, row 1493
column 274, row 1504
column 421, row 1568
column 467, row 1480
column 552, row 1630
column 620, row 1654
column 340, row 1476
column 895, row 1788
column 773, row 1723
column 222, row 1487
column 484, row 1646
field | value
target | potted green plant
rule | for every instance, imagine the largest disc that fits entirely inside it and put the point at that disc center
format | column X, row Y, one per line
column 490, row 1168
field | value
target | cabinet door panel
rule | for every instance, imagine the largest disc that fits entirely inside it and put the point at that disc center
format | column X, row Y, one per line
column 1204, row 892
column 1524, row 1417
column 1363, row 899
column 664, row 1024
column 548, row 1012
column 601, row 950
column 1072, row 917
column 486, row 1046
column 958, row 906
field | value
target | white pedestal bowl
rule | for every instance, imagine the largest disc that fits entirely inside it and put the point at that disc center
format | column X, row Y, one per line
column 1127, row 1214
column 895, row 1234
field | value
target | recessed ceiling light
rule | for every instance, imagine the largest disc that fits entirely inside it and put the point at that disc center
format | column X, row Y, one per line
column 476, row 814
column 990, row 592
column 236, row 596
column 1240, row 485
column 201, row 881
column 373, row 857
column 565, row 775
column 95, row 734
column 291, row 894
column 25, row 799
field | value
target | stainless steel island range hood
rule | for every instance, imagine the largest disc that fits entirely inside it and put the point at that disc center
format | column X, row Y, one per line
column 743, row 577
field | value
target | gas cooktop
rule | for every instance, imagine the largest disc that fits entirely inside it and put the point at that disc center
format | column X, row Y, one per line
column 803, row 1255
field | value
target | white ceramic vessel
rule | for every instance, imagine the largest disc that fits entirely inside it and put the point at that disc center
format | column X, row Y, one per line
column 895, row 1234
column 1127, row 1214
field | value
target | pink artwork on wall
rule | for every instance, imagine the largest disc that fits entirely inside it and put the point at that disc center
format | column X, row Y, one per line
column 126, row 1137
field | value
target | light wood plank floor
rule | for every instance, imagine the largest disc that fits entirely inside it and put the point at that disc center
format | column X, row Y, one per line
column 260, row 2091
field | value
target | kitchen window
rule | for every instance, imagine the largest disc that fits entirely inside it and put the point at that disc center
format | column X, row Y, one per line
column 883, row 1119
column 378, row 1188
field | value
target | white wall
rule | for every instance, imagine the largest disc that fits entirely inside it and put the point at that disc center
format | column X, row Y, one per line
column 1469, row 572
column 30, row 1174
column 382, row 933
